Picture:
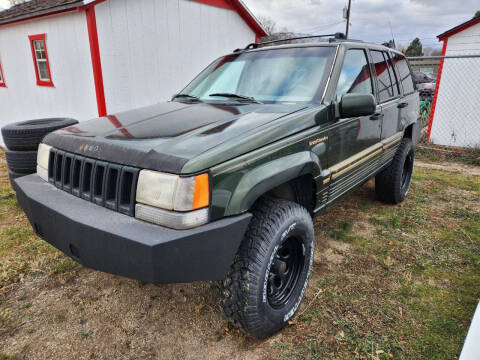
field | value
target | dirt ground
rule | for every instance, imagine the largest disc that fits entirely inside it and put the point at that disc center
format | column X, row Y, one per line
column 356, row 306
column 454, row 167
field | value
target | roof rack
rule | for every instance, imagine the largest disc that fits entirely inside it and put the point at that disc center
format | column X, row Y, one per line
column 333, row 37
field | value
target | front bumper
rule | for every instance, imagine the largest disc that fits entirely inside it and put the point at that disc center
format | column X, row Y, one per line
column 105, row 240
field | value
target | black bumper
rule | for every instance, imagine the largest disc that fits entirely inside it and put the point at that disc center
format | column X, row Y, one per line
column 105, row 240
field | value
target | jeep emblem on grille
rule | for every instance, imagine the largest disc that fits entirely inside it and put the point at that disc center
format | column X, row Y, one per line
column 86, row 147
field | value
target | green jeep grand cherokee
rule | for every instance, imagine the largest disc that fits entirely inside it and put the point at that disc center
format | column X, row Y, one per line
column 221, row 183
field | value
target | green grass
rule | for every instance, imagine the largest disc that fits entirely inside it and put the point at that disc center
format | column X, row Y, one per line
column 408, row 289
column 22, row 253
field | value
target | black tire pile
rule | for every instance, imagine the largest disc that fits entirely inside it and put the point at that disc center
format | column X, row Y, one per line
column 22, row 140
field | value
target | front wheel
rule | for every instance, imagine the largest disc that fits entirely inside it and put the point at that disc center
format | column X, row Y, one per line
column 393, row 183
column 269, row 276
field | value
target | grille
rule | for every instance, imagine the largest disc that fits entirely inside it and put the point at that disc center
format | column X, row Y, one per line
column 106, row 184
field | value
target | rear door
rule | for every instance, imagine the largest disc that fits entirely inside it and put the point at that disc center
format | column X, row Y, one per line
column 388, row 94
column 410, row 103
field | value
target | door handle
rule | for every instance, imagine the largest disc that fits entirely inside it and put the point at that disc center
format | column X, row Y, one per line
column 377, row 116
column 402, row 105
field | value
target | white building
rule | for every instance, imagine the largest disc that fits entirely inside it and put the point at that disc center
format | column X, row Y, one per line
column 455, row 116
column 88, row 58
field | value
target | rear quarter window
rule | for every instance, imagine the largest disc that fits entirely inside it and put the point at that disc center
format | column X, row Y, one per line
column 404, row 73
column 384, row 81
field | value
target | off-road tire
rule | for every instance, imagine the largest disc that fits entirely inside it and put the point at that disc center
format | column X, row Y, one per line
column 245, row 292
column 21, row 162
column 27, row 135
column 393, row 183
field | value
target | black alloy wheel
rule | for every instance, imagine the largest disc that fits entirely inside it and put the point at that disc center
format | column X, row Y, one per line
column 285, row 272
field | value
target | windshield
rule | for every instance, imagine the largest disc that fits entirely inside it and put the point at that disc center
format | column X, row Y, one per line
column 267, row 76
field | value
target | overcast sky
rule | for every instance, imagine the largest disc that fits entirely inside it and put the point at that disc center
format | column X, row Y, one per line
column 370, row 18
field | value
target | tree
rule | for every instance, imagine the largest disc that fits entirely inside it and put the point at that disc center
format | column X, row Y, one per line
column 268, row 23
column 16, row 2
column 415, row 48
column 477, row 14
column 429, row 51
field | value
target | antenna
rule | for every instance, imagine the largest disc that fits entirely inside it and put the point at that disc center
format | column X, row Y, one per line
column 391, row 31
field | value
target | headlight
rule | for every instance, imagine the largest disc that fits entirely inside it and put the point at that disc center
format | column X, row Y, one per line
column 156, row 189
column 186, row 199
column 43, row 156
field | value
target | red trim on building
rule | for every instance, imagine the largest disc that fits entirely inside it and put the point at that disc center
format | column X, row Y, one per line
column 248, row 18
column 437, row 87
column 2, row 82
column 40, row 82
column 96, row 61
column 218, row 3
column 238, row 6
column 459, row 28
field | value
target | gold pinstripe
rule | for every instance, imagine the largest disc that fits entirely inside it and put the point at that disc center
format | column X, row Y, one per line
column 361, row 157
column 337, row 174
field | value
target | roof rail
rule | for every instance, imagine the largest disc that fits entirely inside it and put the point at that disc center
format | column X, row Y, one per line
column 336, row 36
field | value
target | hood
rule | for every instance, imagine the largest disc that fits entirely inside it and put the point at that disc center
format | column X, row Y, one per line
column 166, row 136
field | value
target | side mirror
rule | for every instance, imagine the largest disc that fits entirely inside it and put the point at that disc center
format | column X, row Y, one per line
column 354, row 105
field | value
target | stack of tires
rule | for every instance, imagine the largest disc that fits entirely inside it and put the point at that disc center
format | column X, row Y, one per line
column 22, row 140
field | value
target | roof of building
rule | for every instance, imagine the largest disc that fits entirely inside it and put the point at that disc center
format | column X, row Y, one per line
column 459, row 28
column 36, row 8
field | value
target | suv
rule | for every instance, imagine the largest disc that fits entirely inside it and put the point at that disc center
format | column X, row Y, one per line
column 424, row 84
column 222, row 182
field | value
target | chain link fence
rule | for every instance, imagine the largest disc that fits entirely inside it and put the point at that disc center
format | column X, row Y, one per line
column 450, row 106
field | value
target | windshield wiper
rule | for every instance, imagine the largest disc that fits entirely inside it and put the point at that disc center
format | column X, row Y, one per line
column 186, row 96
column 237, row 96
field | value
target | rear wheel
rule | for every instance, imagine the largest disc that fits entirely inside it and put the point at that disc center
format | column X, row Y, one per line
column 269, row 276
column 393, row 183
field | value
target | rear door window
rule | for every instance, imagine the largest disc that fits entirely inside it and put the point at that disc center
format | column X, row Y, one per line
column 393, row 75
column 355, row 76
column 404, row 74
column 384, row 82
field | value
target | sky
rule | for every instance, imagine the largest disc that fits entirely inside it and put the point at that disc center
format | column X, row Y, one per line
column 4, row 4
column 370, row 19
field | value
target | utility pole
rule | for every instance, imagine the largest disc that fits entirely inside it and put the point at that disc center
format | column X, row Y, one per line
column 348, row 18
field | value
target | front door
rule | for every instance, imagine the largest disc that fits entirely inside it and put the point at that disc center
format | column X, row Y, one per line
column 353, row 142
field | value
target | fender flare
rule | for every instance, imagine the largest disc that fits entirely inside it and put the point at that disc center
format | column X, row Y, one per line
column 268, row 176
